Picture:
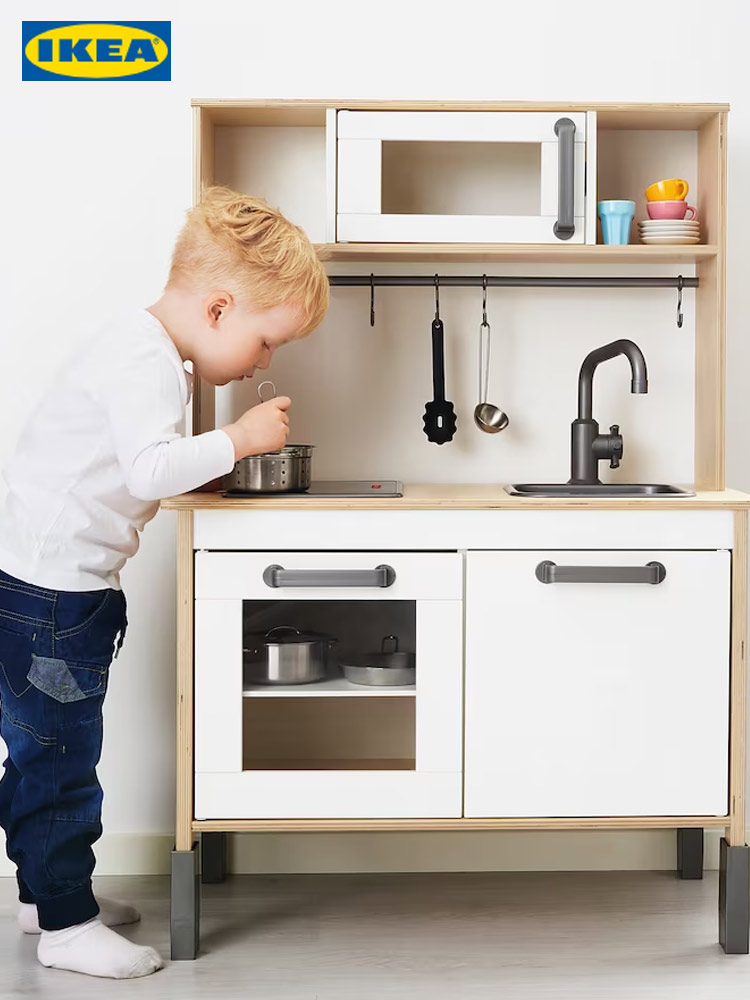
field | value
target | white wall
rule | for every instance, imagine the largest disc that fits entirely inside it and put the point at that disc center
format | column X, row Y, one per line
column 97, row 176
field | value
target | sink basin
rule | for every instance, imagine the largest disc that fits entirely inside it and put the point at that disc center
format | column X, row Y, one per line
column 603, row 490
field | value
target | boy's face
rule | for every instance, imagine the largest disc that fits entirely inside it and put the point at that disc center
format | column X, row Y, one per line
column 236, row 340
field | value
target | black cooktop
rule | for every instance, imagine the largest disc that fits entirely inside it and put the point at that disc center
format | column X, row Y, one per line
column 339, row 488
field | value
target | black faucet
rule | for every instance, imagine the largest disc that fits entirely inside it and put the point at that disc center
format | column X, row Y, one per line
column 587, row 446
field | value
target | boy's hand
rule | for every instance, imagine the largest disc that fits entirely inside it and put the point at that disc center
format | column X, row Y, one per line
column 262, row 428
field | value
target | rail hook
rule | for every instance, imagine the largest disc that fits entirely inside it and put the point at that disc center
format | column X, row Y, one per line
column 679, row 301
column 437, row 299
column 372, row 300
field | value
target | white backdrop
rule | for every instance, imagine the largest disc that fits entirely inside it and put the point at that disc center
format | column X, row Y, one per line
column 96, row 179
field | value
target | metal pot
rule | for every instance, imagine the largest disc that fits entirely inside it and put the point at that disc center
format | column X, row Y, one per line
column 383, row 669
column 286, row 471
column 284, row 655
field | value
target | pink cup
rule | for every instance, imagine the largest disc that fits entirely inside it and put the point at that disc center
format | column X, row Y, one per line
column 670, row 210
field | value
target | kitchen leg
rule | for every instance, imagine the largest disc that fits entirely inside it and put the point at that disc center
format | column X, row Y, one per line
column 690, row 853
column 185, row 904
column 734, row 898
column 213, row 857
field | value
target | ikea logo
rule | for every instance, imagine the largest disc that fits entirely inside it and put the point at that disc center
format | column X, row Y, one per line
column 103, row 50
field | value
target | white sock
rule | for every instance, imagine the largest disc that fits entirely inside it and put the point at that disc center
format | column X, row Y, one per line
column 111, row 913
column 95, row 950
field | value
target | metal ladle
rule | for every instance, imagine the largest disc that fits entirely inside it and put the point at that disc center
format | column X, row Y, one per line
column 488, row 417
column 260, row 390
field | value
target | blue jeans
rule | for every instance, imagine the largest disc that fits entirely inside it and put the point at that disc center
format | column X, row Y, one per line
column 55, row 652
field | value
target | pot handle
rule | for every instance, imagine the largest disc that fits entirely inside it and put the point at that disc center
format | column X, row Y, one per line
column 277, row 576
column 289, row 628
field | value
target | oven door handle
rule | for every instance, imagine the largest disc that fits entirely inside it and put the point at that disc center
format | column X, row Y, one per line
column 380, row 576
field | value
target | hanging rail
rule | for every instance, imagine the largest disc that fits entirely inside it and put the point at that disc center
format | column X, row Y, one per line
column 510, row 281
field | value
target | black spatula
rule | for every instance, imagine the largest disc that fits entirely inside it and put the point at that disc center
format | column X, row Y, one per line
column 439, row 415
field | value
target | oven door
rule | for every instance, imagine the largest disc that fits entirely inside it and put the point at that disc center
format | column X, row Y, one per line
column 327, row 748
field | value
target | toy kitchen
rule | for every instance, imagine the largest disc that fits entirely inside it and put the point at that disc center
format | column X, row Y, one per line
column 499, row 582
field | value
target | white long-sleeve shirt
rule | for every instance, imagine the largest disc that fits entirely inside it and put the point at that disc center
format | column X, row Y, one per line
column 101, row 449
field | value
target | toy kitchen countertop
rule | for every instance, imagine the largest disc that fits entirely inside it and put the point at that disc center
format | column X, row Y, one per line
column 456, row 496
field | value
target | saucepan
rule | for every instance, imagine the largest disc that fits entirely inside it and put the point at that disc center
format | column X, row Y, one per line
column 288, row 470
column 286, row 655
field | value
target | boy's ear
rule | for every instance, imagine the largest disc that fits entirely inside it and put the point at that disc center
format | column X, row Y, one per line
column 216, row 304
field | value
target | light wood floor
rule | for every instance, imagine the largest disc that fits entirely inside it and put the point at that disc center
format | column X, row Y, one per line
column 571, row 936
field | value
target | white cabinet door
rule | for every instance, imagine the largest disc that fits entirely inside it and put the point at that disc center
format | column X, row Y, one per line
column 465, row 176
column 597, row 698
column 325, row 750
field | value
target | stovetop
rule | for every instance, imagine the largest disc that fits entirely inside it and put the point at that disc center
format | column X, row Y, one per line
column 339, row 488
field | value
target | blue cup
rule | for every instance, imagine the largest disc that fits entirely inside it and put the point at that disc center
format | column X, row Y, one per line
column 616, row 217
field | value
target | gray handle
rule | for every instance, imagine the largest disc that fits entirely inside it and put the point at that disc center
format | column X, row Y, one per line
column 565, row 131
column 550, row 572
column 277, row 576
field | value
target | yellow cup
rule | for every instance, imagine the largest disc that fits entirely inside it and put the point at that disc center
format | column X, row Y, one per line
column 673, row 189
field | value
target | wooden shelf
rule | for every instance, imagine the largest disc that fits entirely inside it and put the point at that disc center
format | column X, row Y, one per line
column 336, row 687
column 331, row 764
column 311, row 113
column 511, row 823
column 532, row 253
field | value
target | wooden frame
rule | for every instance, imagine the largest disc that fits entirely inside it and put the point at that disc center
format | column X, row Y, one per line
column 185, row 682
column 710, row 122
column 710, row 323
column 735, row 830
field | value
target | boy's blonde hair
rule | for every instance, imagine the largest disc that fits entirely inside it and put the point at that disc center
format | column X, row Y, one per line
column 234, row 241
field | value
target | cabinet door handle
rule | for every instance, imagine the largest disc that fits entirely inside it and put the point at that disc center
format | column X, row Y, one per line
column 550, row 572
column 565, row 131
column 380, row 576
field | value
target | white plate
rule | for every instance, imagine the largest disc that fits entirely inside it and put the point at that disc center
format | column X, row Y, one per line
column 680, row 223
column 670, row 239
column 670, row 232
column 671, row 225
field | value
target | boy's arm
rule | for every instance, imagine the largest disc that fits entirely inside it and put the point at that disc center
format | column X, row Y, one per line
column 215, row 486
column 144, row 403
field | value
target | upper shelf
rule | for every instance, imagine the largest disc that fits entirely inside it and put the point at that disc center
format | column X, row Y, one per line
column 611, row 115
column 282, row 150
column 581, row 253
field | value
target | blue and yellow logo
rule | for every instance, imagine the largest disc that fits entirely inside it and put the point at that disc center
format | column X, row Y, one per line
column 103, row 50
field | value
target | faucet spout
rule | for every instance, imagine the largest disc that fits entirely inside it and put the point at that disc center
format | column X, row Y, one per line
column 588, row 447
column 638, row 372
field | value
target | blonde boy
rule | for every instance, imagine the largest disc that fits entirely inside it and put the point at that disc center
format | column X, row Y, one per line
column 99, row 452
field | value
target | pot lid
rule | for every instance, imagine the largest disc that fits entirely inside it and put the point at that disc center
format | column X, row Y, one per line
column 287, row 634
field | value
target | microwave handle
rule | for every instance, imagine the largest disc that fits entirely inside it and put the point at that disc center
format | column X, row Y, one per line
column 565, row 131
column 380, row 576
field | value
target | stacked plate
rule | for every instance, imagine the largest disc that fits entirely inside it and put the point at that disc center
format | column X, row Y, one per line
column 666, row 231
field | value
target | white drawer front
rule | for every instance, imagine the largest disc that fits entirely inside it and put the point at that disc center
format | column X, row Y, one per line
column 358, row 530
column 327, row 795
column 417, row 575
